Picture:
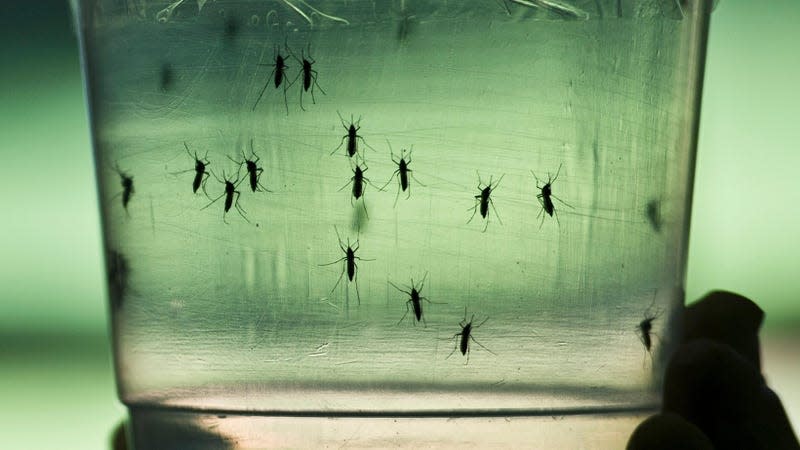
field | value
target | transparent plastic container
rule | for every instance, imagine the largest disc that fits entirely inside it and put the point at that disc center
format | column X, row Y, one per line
column 541, row 217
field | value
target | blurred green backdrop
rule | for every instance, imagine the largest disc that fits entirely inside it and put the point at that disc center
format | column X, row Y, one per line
column 744, row 225
column 56, row 376
column 53, row 324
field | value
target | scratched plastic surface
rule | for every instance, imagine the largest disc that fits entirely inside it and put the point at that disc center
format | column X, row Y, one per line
column 235, row 311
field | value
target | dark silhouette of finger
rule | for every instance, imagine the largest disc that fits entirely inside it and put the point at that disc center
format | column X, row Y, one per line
column 668, row 431
column 713, row 384
column 722, row 393
column 713, row 387
column 727, row 318
column 118, row 439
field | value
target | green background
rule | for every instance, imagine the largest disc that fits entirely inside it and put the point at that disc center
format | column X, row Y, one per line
column 56, row 377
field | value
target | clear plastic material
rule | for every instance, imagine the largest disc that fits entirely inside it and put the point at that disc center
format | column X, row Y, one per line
column 521, row 174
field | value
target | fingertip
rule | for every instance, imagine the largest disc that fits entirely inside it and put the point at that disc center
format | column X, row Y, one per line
column 668, row 431
column 728, row 318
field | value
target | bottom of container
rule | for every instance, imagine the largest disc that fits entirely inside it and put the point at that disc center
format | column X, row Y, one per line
column 162, row 428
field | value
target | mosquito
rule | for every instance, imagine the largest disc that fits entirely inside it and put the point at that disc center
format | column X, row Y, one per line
column 253, row 171
column 126, row 181
column 352, row 137
column 484, row 200
column 278, row 76
column 403, row 173
column 309, row 75
column 229, row 194
column 201, row 173
column 350, row 265
column 358, row 181
column 545, row 196
column 645, row 327
column 466, row 335
column 415, row 299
